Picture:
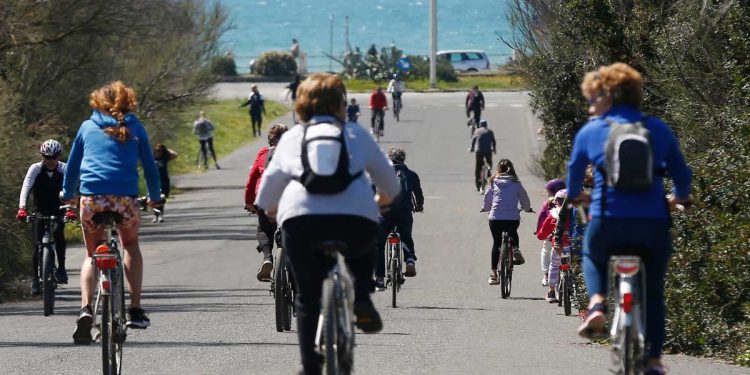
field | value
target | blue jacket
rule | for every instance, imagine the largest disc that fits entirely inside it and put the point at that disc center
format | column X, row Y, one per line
column 106, row 166
column 588, row 148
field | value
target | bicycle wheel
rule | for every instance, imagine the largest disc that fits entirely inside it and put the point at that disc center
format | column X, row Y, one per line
column 278, row 291
column 567, row 288
column 506, row 270
column 394, row 279
column 330, row 328
column 118, row 320
column 108, row 350
column 48, row 279
column 631, row 352
column 288, row 300
column 397, row 110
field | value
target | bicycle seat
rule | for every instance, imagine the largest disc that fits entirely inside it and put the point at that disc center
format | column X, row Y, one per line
column 332, row 247
column 106, row 217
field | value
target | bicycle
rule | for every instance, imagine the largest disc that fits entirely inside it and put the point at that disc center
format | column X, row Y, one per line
column 334, row 337
column 394, row 257
column 484, row 176
column 110, row 295
column 565, row 286
column 505, row 268
column 46, row 252
column 282, row 288
column 397, row 106
column 378, row 126
column 473, row 125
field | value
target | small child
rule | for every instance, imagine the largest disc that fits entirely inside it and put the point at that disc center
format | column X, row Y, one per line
column 352, row 111
column 162, row 156
column 544, row 233
column 552, row 187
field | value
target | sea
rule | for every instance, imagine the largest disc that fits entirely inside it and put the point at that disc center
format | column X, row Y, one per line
column 324, row 27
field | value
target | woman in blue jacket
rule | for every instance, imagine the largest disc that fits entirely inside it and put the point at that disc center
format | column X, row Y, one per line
column 104, row 157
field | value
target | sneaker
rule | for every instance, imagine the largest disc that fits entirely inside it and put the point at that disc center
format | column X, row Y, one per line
column 368, row 319
column 379, row 284
column 217, row 166
column 82, row 334
column 155, row 219
column 35, row 290
column 593, row 325
column 161, row 218
column 545, row 281
column 382, row 133
column 137, row 318
column 62, row 276
column 264, row 273
column 518, row 258
column 493, row 280
column 411, row 269
column 551, row 297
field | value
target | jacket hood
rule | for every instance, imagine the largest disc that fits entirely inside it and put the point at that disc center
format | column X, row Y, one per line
column 504, row 180
column 104, row 120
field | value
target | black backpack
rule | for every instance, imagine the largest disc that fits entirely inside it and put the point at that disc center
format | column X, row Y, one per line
column 628, row 157
column 403, row 201
column 326, row 185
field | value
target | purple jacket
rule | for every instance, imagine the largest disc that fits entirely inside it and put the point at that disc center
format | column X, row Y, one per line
column 543, row 213
column 502, row 199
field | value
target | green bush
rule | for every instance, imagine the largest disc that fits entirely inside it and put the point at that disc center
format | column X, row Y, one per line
column 421, row 69
column 695, row 59
column 275, row 64
column 223, row 66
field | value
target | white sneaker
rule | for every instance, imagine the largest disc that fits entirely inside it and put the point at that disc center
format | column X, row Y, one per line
column 161, row 218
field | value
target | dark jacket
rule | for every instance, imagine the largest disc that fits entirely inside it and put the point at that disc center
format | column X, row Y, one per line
column 483, row 140
column 416, row 203
column 475, row 100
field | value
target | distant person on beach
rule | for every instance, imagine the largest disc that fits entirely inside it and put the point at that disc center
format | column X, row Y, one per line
column 257, row 109
column 204, row 129
column 292, row 87
column 294, row 49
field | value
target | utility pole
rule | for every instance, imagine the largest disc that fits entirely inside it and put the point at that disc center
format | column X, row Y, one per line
column 348, row 46
column 433, row 43
column 330, row 49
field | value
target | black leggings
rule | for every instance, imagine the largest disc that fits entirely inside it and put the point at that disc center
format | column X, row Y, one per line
column 497, row 227
column 266, row 233
column 210, row 143
column 310, row 267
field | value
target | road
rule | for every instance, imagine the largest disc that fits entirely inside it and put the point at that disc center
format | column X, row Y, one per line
column 211, row 316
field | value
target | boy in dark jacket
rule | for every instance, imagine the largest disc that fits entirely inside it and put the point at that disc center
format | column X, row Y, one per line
column 400, row 215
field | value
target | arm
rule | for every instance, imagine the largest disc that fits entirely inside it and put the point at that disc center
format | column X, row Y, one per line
column 150, row 172
column 579, row 159
column 678, row 169
column 254, row 176
column 245, row 103
column 547, row 227
column 371, row 102
column 417, row 191
column 565, row 214
column 381, row 171
column 172, row 154
column 473, row 141
column 481, row 101
column 73, row 169
column 488, row 198
column 492, row 140
column 275, row 179
column 195, row 127
column 390, row 87
column 523, row 198
column 28, row 184
column 263, row 104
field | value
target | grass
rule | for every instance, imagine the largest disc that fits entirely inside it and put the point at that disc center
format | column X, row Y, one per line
column 496, row 82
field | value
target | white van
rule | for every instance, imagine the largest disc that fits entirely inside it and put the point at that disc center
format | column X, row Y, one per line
column 466, row 60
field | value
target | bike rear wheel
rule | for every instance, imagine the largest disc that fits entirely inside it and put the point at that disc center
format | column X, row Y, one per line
column 48, row 279
column 631, row 352
column 278, row 292
column 109, row 361
column 394, row 280
column 506, row 270
column 567, row 289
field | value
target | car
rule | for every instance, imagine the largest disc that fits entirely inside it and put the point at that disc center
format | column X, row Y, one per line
column 466, row 60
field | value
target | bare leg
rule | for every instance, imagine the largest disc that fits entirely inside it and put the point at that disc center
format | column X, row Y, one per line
column 92, row 240
column 133, row 263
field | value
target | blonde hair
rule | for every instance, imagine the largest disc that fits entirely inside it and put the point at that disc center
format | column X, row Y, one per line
column 115, row 99
column 591, row 85
column 622, row 83
column 320, row 94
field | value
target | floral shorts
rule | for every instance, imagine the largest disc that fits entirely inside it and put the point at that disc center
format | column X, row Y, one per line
column 126, row 206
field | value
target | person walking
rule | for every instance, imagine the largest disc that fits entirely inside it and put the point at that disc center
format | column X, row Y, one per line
column 257, row 109
column 204, row 129
column 162, row 156
column 292, row 91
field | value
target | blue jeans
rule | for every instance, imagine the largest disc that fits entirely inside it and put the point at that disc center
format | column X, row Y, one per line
column 604, row 235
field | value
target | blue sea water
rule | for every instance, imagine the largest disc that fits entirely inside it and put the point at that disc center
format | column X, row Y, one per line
column 262, row 25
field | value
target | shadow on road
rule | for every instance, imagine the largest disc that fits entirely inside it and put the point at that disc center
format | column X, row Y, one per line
column 179, row 344
column 527, row 298
column 446, row 308
column 19, row 344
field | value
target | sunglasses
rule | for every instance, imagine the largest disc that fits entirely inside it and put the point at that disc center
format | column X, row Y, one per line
column 50, row 157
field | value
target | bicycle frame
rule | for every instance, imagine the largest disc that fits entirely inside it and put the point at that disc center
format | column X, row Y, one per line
column 46, row 271
column 628, row 322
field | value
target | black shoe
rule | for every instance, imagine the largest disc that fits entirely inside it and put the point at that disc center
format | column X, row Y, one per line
column 82, row 334
column 411, row 269
column 62, row 276
column 518, row 258
column 35, row 290
column 137, row 318
column 368, row 319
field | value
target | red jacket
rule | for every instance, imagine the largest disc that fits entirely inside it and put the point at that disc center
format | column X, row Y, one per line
column 378, row 100
column 253, row 179
column 547, row 228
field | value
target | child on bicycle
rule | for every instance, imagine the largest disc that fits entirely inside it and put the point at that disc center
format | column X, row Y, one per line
column 560, row 246
column 503, row 195
column 352, row 111
column 552, row 187
column 44, row 180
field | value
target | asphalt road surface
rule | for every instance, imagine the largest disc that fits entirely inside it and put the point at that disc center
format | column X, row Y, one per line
column 211, row 316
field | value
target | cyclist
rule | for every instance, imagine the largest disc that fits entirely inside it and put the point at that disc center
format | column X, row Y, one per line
column 378, row 106
column 560, row 244
column 475, row 104
column 631, row 219
column 552, row 187
column 257, row 109
column 483, row 145
column 396, row 87
column 502, row 198
column 266, row 227
column 400, row 215
column 349, row 215
column 44, row 180
column 105, row 155
column 352, row 111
